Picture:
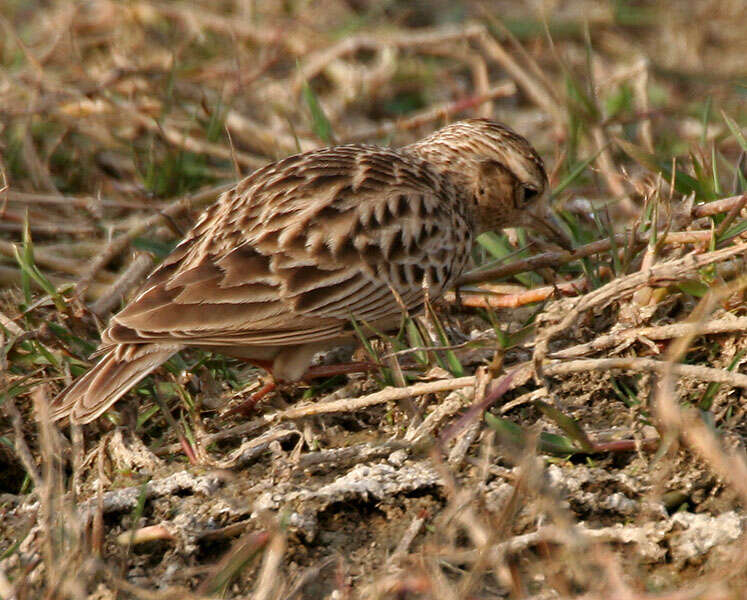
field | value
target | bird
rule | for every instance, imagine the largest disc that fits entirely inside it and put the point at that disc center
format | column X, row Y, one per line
column 278, row 267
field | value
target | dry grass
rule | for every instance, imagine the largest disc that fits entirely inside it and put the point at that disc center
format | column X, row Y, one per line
column 610, row 462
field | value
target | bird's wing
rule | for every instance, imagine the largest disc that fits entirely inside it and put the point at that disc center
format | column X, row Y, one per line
column 301, row 246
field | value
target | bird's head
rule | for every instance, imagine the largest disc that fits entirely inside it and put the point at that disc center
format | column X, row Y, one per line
column 503, row 173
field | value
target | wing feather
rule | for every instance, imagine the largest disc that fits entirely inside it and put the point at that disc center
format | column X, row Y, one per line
column 301, row 246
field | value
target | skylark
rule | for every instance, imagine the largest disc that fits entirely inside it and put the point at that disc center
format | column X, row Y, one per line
column 274, row 270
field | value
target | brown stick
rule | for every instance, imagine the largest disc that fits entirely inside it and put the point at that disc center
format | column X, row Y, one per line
column 731, row 215
column 514, row 300
column 661, row 332
column 716, row 207
column 124, row 283
column 197, row 199
column 316, row 62
column 647, row 365
column 433, row 113
column 561, row 257
column 84, row 202
column 549, row 259
column 54, row 261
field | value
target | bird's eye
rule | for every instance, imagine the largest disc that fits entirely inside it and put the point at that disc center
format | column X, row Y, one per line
column 530, row 194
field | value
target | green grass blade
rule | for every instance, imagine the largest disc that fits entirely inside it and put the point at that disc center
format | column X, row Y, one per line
column 510, row 434
column 369, row 349
column 683, row 183
column 455, row 366
column 567, row 424
column 320, row 125
column 552, row 443
column 714, row 171
column 30, row 272
column 498, row 247
column 416, row 340
column 707, row 400
column 576, row 172
column 736, row 131
column 705, row 120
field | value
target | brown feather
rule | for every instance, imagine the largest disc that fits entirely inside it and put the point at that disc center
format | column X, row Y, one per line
column 93, row 393
column 280, row 263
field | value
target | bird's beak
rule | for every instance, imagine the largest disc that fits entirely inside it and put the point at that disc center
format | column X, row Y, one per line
column 542, row 219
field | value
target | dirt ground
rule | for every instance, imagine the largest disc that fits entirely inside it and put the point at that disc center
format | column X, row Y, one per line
column 567, row 425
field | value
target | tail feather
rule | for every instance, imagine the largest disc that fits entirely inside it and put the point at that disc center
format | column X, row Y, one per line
column 106, row 382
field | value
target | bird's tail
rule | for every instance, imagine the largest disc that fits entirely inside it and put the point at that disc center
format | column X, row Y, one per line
column 106, row 382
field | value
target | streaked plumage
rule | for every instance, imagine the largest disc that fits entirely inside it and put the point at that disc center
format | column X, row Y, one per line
column 277, row 266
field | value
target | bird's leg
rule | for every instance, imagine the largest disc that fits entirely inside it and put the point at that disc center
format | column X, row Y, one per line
column 316, row 372
column 248, row 405
column 268, row 386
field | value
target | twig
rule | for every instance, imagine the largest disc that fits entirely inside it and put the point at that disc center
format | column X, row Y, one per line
column 22, row 450
column 17, row 226
column 652, row 365
column 348, row 455
column 456, row 400
column 489, row 300
column 660, row 332
column 250, row 449
column 561, row 257
column 716, row 207
column 520, row 50
column 730, row 216
column 481, row 404
column 641, row 103
column 44, row 258
column 243, row 28
column 268, row 578
column 549, row 259
column 83, row 202
column 568, row 310
column 382, row 397
column 180, row 139
column 730, row 465
column 307, row 576
column 687, row 423
column 463, row 443
column 406, row 540
column 316, row 62
column 332, row 406
column 433, row 113
column 132, row 275
column 263, row 138
column 529, row 85
column 10, row 325
column 117, row 245
column 143, row 535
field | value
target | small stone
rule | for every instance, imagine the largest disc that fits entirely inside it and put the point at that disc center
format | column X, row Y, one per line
column 397, row 458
